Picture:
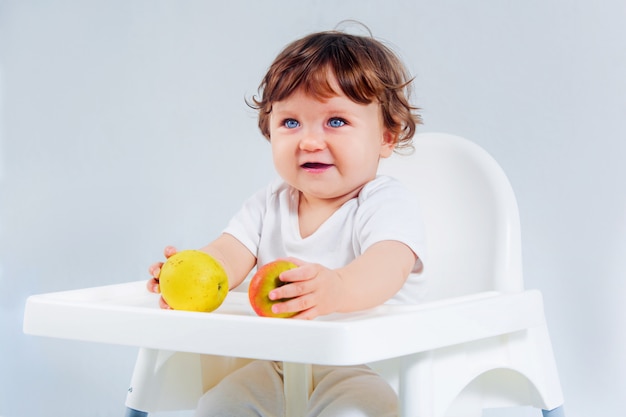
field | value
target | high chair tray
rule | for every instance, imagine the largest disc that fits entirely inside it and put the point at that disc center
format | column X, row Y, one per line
column 127, row 314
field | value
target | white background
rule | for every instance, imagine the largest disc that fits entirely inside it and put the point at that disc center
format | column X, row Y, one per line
column 123, row 128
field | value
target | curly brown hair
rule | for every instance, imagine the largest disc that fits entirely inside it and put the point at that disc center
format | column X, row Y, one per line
column 366, row 71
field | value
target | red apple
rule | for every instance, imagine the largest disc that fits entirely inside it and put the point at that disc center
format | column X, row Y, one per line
column 264, row 281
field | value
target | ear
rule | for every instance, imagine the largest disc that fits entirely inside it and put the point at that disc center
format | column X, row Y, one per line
column 388, row 144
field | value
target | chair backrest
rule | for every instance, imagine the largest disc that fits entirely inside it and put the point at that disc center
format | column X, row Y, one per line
column 470, row 213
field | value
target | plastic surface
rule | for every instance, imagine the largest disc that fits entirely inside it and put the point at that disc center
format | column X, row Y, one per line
column 471, row 216
column 557, row 412
column 126, row 314
column 479, row 341
column 135, row 413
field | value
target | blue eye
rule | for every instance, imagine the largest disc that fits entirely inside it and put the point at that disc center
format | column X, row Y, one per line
column 291, row 123
column 336, row 122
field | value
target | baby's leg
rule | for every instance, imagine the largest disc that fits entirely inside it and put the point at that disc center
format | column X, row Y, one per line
column 351, row 391
column 252, row 391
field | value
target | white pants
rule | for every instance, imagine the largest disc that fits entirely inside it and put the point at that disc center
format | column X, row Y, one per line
column 256, row 390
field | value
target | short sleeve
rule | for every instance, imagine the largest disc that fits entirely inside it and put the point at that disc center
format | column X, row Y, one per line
column 246, row 225
column 390, row 211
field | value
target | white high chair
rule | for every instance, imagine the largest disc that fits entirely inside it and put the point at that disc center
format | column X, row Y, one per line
column 478, row 341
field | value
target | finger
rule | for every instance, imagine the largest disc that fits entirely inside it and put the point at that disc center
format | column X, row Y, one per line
column 296, row 261
column 155, row 270
column 169, row 251
column 163, row 304
column 309, row 314
column 153, row 285
column 297, row 304
column 302, row 273
column 292, row 290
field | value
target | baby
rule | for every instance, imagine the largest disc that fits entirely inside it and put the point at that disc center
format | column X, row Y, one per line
column 331, row 105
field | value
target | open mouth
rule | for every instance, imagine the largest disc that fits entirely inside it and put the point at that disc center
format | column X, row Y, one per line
column 315, row 165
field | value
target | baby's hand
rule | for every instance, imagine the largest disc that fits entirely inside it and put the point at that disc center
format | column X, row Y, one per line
column 155, row 271
column 313, row 290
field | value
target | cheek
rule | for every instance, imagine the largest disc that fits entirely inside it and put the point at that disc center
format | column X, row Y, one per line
column 276, row 154
column 281, row 155
column 279, row 147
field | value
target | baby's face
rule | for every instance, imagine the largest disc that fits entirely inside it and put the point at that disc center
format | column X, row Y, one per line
column 327, row 149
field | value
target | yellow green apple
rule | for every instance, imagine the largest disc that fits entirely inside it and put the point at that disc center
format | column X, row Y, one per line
column 193, row 280
column 264, row 281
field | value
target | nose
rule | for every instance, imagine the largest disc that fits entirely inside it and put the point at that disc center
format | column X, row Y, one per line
column 312, row 140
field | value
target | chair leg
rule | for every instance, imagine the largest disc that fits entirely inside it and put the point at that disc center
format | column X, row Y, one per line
column 130, row 412
column 298, row 382
column 557, row 412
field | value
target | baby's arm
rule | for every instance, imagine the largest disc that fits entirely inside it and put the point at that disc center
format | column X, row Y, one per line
column 368, row 281
column 234, row 257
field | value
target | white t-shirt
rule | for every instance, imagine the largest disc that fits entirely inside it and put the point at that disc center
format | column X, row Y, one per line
column 268, row 226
